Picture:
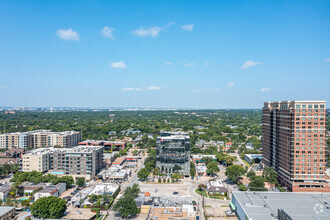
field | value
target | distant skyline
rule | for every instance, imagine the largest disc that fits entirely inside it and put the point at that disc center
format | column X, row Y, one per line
column 163, row 54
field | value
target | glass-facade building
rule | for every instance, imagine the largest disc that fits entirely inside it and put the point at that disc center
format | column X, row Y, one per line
column 173, row 148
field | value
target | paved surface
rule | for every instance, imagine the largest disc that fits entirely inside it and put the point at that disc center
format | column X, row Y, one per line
column 185, row 187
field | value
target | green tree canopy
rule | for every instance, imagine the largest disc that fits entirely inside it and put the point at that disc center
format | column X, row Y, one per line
column 212, row 167
column 270, row 175
column 257, row 183
column 80, row 181
column 48, row 207
column 126, row 205
column 143, row 173
column 234, row 171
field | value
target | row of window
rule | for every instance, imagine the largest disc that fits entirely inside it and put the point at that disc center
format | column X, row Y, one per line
column 309, row 106
column 309, row 164
column 309, row 168
column 309, row 110
column 303, row 152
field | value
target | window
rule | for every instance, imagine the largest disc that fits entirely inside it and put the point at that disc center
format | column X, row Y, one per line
column 321, row 106
column 297, row 106
column 316, row 106
column 303, row 106
column 310, row 106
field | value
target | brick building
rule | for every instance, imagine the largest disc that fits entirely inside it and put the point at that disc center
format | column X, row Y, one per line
column 294, row 143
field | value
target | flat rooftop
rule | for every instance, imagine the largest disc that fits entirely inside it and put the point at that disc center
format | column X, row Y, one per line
column 5, row 209
column 300, row 206
column 77, row 149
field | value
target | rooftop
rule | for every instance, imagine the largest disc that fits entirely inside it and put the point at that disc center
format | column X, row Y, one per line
column 5, row 209
column 77, row 149
column 302, row 206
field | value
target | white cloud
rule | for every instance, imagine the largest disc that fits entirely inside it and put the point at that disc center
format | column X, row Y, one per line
column 327, row 60
column 3, row 87
column 169, row 24
column 188, row 27
column 206, row 63
column 168, row 63
column 68, row 34
column 149, row 88
column 150, row 32
column 153, row 88
column 118, row 65
column 189, row 64
column 108, row 32
column 249, row 64
column 127, row 89
column 264, row 89
column 231, row 84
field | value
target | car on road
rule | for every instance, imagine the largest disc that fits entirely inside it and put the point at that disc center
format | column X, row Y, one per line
column 175, row 193
column 156, row 190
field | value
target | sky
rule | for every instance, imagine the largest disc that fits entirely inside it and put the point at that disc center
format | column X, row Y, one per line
column 165, row 54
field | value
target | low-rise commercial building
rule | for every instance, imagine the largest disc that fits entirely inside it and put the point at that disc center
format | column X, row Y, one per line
column 249, row 158
column 280, row 205
column 197, row 158
column 200, row 169
column 115, row 174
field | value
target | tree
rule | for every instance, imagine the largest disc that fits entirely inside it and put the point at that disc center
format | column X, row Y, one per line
column 143, row 173
column 212, row 167
column 145, row 139
column 234, row 171
column 80, row 181
column 156, row 171
column 201, row 187
column 132, row 191
column 126, row 206
column 192, row 169
column 270, row 175
column 176, row 168
column 48, row 207
column 250, row 174
column 176, row 176
column 257, row 184
column 9, row 202
column 26, row 202
column 229, row 160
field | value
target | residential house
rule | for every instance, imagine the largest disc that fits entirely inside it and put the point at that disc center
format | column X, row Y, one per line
column 249, row 146
column 216, row 186
column 4, row 193
column 53, row 190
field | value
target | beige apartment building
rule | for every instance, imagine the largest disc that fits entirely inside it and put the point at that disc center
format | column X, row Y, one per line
column 39, row 138
column 37, row 160
column 294, row 144
column 79, row 161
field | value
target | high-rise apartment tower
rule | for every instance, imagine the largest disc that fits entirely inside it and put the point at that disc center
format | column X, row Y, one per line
column 294, row 143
